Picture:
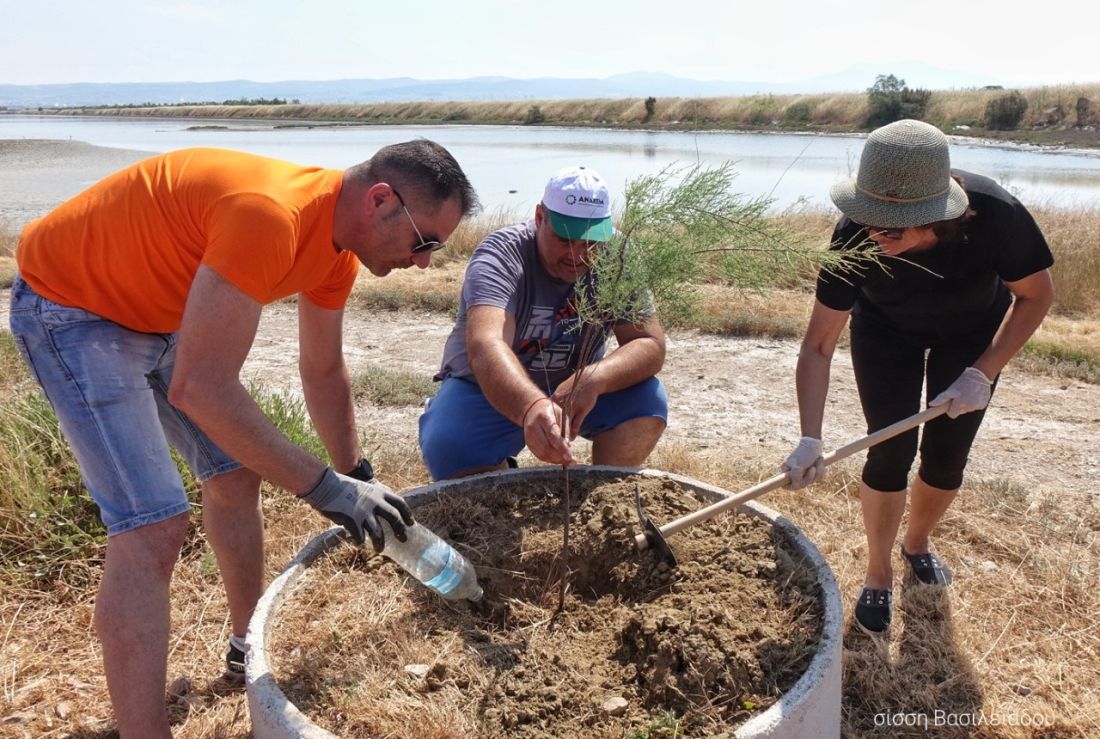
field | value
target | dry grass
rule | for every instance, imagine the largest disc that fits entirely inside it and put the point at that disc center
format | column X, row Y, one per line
column 1050, row 106
column 1016, row 635
column 1074, row 238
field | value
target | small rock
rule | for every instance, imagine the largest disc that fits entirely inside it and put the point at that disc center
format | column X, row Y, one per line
column 990, row 566
column 179, row 687
column 417, row 670
column 63, row 710
column 615, row 706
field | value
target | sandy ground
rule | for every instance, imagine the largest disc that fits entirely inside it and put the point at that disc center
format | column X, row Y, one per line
column 736, row 395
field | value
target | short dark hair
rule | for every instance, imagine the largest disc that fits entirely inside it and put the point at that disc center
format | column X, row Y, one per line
column 422, row 167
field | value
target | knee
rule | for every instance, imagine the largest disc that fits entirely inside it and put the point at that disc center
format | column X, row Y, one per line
column 236, row 490
column 943, row 458
column 888, row 464
column 945, row 473
column 153, row 549
column 646, row 427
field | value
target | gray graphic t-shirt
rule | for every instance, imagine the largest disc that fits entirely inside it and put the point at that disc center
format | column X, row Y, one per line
column 504, row 271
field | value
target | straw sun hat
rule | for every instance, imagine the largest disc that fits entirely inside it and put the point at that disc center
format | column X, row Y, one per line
column 904, row 179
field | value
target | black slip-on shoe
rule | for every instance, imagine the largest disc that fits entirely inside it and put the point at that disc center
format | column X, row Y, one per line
column 874, row 610
column 234, row 665
column 928, row 568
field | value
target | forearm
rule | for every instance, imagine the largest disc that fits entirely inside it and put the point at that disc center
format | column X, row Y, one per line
column 812, row 387
column 1023, row 318
column 332, row 409
column 631, row 363
column 229, row 415
column 503, row 380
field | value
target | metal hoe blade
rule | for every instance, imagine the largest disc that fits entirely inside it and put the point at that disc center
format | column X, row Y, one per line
column 653, row 535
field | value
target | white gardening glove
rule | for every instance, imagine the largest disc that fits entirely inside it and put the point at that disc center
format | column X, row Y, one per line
column 968, row 393
column 805, row 464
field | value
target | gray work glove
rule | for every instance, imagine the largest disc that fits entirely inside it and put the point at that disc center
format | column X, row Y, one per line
column 356, row 506
column 968, row 393
column 805, row 463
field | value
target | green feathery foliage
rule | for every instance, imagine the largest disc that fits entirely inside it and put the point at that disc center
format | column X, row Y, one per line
column 686, row 226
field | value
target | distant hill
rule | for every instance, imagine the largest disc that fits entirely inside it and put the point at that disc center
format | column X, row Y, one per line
column 399, row 89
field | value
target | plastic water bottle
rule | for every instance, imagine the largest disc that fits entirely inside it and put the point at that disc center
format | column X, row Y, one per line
column 434, row 562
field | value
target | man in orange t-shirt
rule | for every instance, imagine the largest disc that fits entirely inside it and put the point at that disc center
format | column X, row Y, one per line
column 136, row 304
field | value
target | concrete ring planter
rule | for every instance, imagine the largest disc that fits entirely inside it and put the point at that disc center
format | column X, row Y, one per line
column 809, row 709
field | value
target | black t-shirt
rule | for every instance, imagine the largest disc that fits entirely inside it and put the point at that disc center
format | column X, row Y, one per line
column 952, row 288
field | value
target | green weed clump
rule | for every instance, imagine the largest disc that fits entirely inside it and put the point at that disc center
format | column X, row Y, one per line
column 1061, row 361
column 49, row 526
column 1005, row 112
column 289, row 415
column 47, row 521
column 9, row 239
column 384, row 386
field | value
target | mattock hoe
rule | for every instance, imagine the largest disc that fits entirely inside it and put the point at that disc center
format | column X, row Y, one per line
column 653, row 537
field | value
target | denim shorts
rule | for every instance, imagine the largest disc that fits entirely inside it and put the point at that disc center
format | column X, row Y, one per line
column 460, row 429
column 108, row 386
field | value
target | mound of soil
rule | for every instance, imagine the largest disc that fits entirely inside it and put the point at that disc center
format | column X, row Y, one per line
column 639, row 649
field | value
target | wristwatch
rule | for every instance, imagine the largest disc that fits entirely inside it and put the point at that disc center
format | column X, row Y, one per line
column 363, row 471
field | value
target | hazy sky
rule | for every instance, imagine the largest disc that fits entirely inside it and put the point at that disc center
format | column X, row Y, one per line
column 50, row 41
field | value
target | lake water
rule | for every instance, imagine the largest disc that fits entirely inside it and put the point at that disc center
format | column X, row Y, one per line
column 509, row 165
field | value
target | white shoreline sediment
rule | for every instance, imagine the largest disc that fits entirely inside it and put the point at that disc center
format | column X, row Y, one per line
column 36, row 175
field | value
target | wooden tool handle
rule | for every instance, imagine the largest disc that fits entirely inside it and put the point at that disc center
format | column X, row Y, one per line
column 780, row 480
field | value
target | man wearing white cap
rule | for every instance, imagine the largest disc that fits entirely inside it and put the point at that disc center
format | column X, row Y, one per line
column 512, row 355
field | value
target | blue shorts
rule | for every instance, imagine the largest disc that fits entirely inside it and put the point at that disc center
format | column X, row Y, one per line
column 460, row 430
column 108, row 386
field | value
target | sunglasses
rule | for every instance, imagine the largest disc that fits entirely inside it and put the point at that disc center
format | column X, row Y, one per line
column 890, row 233
column 424, row 244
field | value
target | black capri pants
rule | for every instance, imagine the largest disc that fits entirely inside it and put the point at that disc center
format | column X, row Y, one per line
column 890, row 368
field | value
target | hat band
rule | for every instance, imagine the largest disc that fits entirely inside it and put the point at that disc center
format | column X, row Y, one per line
column 889, row 199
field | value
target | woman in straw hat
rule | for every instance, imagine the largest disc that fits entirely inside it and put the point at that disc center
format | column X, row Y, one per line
column 960, row 283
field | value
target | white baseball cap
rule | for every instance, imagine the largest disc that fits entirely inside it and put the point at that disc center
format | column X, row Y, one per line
column 579, row 207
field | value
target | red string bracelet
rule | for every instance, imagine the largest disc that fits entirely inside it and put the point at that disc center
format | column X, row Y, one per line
column 523, row 421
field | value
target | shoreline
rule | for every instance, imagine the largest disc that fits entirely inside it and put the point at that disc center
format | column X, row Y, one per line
column 1051, row 118
column 38, row 174
column 231, row 123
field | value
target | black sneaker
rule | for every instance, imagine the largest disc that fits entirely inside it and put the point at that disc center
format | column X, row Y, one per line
column 874, row 609
column 234, row 665
column 928, row 568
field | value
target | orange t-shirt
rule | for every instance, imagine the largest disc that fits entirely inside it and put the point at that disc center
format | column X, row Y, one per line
column 128, row 247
